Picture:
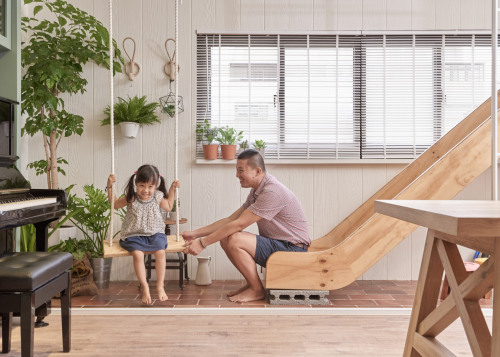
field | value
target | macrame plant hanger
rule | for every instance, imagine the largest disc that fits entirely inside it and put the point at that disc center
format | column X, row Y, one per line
column 176, row 129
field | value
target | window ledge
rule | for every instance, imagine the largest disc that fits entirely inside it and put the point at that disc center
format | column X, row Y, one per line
column 313, row 162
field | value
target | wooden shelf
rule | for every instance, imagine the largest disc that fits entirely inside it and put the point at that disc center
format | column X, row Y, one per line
column 181, row 221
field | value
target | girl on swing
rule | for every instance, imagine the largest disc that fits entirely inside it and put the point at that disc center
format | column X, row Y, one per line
column 143, row 229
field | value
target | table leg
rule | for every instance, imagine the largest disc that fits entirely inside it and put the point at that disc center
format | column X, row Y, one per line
column 495, row 338
column 427, row 291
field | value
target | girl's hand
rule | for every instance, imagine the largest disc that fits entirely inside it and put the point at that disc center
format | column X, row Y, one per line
column 176, row 184
column 111, row 180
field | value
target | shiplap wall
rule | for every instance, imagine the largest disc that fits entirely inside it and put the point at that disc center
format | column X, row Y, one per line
column 209, row 192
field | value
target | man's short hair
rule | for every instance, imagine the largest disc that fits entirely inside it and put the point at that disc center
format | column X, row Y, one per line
column 253, row 157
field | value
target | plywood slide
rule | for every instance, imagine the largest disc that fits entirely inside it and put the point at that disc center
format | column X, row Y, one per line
column 364, row 237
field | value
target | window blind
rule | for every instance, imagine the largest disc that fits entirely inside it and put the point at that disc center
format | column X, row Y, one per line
column 341, row 96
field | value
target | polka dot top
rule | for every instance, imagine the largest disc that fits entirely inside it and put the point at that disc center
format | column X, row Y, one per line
column 143, row 218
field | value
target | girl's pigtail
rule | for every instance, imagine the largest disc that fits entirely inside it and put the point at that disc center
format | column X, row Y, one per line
column 162, row 187
column 129, row 190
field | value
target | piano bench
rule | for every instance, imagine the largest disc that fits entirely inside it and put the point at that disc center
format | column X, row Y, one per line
column 28, row 281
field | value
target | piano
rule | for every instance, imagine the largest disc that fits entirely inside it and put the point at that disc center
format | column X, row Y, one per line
column 19, row 203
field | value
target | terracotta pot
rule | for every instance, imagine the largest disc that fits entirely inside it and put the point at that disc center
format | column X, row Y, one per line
column 228, row 152
column 210, row 151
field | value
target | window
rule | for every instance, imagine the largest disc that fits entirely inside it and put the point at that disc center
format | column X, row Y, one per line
column 341, row 96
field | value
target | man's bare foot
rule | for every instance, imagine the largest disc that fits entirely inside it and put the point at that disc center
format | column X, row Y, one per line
column 249, row 295
column 162, row 295
column 146, row 296
column 237, row 291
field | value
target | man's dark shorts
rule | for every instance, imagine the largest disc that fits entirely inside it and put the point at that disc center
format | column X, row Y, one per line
column 267, row 246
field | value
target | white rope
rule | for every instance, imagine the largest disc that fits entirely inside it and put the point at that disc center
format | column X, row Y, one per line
column 111, row 121
column 176, row 142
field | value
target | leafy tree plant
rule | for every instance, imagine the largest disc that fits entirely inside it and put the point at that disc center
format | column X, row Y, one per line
column 136, row 110
column 206, row 133
column 52, row 59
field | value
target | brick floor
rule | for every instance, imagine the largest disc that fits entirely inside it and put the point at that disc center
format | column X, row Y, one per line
column 362, row 293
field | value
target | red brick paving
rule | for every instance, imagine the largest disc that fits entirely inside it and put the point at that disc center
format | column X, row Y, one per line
column 362, row 293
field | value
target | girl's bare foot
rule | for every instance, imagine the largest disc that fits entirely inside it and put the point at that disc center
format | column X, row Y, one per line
column 237, row 291
column 249, row 295
column 146, row 296
column 162, row 295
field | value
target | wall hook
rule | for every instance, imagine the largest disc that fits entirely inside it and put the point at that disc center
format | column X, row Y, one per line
column 132, row 68
column 169, row 68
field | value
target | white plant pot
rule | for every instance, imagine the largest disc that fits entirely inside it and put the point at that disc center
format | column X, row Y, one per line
column 172, row 216
column 129, row 129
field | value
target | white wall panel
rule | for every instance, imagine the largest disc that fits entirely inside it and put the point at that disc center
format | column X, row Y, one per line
column 325, row 15
column 374, row 15
column 423, row 15
column 277, row 15
column 325, row 198
column 227, row 15
column 252, row 15
column 399, row 14
column 301, row 15
column 349, row 15
column 447, row 14
column 475, row 15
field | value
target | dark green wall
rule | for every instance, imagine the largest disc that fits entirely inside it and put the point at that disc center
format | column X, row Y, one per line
column 10, row 65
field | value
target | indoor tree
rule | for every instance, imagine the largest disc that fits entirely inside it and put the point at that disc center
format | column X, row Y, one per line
column 59, row 45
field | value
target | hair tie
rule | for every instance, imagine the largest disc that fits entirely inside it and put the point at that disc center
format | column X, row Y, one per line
column 135, row 172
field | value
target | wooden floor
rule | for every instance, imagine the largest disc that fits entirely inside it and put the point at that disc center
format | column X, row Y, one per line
column 231, row 335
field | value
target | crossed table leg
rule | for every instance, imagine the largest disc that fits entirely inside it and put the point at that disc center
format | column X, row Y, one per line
column 428, row 319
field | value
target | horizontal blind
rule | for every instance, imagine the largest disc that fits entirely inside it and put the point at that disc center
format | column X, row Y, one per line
column 341, row 96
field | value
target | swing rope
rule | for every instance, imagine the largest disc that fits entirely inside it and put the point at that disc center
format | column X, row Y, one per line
column 176, row 151
column 111, row 111
column 111, row 121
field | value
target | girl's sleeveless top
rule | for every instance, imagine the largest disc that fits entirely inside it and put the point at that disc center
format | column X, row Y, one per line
column 143, row 218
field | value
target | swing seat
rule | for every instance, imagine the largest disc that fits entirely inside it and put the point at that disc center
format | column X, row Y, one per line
column 117, row 251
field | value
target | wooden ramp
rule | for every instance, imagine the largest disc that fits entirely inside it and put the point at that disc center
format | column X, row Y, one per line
column 364, row 237
column 117, row 251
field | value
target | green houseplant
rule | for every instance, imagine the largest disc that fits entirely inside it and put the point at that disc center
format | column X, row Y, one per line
column 260, row 146
column 206, row 134
column 134, row 111
column 52, row 59
column 91, row 215
column 228, row 138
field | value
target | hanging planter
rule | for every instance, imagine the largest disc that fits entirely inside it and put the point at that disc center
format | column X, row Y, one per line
column 130, row 114
column 168, row 104
column 129, row 129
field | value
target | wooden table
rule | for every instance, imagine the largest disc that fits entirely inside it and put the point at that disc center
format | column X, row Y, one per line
column 473, row 224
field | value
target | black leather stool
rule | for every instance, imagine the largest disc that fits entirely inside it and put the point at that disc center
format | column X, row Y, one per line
column 27, row 281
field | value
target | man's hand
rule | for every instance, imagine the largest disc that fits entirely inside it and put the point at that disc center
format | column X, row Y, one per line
column 188, row 235
column 193, row 247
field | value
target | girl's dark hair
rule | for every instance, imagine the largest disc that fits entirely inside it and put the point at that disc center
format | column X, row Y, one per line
column 145, row 174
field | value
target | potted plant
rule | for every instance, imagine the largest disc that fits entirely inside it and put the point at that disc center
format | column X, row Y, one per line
column 173, row 213
column 228, row 138
column 260, row 146
column 91, row 216
column 52, row 59
column 131, row 114
column 244, row 145
column 206, row 134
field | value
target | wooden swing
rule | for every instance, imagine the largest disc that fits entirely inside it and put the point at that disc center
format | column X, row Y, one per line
column 176, row 243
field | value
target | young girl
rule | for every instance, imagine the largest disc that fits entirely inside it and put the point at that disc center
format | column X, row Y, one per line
column 143, row 229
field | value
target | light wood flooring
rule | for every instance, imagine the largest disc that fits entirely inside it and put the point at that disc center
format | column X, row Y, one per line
column 231, row 335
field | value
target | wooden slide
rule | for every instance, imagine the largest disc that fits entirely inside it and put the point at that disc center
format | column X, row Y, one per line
column 364, row 237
